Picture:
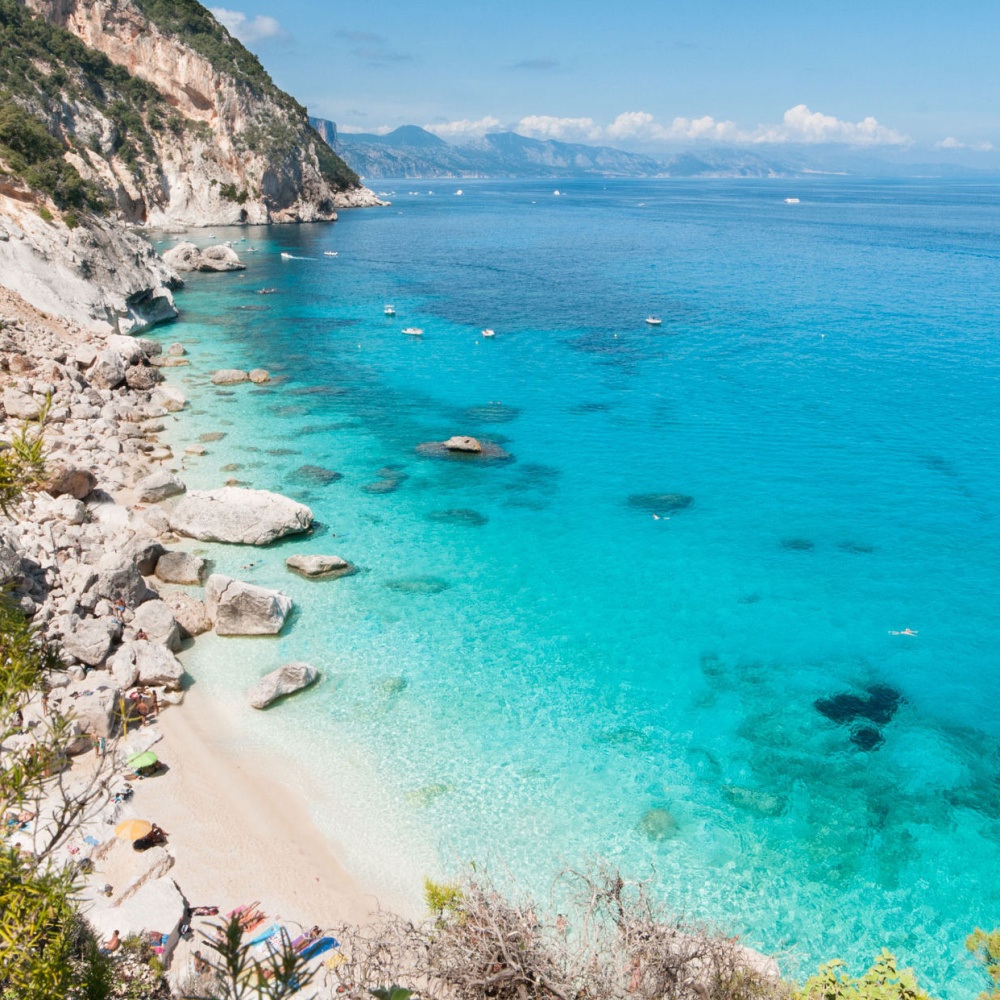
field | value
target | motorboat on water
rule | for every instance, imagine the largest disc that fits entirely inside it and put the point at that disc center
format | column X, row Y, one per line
column 654, row 320
column 266, row 291
column 389, row 311
column 329, row 253
column 489, row 333
column 287, row 256
column 413, row 331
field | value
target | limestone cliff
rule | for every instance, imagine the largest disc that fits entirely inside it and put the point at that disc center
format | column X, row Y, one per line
column 123, row 113
column 224, row 146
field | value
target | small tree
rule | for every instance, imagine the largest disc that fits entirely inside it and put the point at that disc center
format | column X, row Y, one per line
column 883, row 981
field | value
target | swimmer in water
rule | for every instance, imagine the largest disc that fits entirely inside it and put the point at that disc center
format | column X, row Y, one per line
column 905, row 631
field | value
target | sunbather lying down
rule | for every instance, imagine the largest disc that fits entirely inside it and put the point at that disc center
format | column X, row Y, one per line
column 155, row 837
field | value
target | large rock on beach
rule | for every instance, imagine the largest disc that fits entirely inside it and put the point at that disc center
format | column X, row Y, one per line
column 180, row 567
column 93, row 705
column 157, row 620
column 189, row 612
column 119, row 579
column 157, row 486
column 64, row 481
column 89, row 640
column 169, row 397
column 145, row 662
column 10, row 563
column 239, row 516
column 108, row 371
column 285, row 680
column 21, row 405
column 239, row 608
column 141, row 378
column 318, row 567
column 230, row 376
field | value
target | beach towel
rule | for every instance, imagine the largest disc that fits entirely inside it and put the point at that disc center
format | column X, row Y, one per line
column 319, row 946
column 92, row 840
column 264, row 935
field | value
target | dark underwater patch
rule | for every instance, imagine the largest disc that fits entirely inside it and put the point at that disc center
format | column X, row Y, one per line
column 660, row 503
column 418, row 585
column 459, row 515
column 797, row 544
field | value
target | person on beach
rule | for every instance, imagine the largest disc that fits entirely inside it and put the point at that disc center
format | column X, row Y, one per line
column 112, row 944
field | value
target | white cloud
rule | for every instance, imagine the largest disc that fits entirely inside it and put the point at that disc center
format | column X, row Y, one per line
column 563, row 129
column 639, row 128
column 353, row 129
column 800, row 124
column 952, row 143
column 464, row 128
column 248, row 30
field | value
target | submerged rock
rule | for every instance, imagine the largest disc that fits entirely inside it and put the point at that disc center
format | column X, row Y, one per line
column 880, row 705
column 239, row 516
column 797, row 544
column 755, row 800
column 459, row 515
column 391, row 478
column 315, row 473
column 455, row 449
column 660, row 503
column 867, row 737
column 284, row 681
column 418, row 585
column 658, row 824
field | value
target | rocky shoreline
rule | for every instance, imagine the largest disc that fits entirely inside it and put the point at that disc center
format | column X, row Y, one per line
column 86, row 559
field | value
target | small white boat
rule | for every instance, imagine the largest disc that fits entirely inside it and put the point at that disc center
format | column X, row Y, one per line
column 654, row 320
column 389, row 311
column 329, row 253
column 792, row 201
column 287, row 256
column 459, row 192
column 489, row 333
column 413, row 331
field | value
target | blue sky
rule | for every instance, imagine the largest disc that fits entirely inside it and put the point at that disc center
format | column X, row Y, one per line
column 902, row 77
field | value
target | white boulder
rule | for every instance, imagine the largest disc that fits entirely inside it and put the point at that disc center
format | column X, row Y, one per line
column 239, row 608
column 157, row 486
column 231, row 514
column 285, row 680
column 180, row 567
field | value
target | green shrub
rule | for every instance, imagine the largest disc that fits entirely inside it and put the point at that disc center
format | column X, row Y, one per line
column 883, row 981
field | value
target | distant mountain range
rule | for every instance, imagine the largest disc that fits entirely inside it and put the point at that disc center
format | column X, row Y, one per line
column 411, row 151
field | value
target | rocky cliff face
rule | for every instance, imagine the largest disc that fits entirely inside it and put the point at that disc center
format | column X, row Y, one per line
column 122, row 113
column 230, row 148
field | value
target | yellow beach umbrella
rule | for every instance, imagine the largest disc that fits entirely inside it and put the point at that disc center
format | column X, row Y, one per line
column 133, row 829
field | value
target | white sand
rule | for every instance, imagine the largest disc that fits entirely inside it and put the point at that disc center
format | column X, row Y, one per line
column 240, row 833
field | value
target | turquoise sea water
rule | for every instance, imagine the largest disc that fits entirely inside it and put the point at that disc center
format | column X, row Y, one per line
column 532, row 669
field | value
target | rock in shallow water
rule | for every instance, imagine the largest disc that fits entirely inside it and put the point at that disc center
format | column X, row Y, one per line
column 318, row 567
column 418, row 585
column 459, row 515
column 239, row 516
column 658, row 824
column 284, row 681
column 180, row 567
column 239, row 608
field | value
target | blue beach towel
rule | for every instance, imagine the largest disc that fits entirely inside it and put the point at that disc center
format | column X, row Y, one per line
column 92, row 840
column 319, row 946
column 264, row 935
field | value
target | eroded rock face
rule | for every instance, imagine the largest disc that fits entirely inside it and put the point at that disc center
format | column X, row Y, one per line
column 285, row 680
column 119, row 579
column 317, row 567
column 239, row 516
column 157, row 486
column 239, row 608
column 180, row 567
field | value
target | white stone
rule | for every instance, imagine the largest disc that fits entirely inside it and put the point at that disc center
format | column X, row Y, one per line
column 230, row 514
column 157, row 486
column 180, row 567
column 285, row 680
column 157, row 621
column 239, row 608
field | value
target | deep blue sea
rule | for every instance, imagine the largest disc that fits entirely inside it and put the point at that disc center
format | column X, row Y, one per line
column 660, row 632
